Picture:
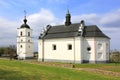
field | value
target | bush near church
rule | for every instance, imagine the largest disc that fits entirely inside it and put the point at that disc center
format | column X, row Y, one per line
column 115, row 56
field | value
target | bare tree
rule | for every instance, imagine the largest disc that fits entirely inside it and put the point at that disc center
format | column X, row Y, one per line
column 12, row 52
column 1, row 51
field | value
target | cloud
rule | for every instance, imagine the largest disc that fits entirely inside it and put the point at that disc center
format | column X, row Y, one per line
column 39, row 20
column 88, row 18
column 109, row 23
column 110, row 19
column 7, row 32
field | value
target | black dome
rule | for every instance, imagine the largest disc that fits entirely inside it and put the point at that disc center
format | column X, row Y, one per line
column 25, row 26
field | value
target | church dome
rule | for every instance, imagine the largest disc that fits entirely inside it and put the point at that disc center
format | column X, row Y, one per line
column 25, row 24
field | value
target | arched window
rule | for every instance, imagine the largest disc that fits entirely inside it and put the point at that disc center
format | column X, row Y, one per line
column 21, row 46
column 21, row 40
column 28, row 33
column 21, row 33
column 28, row 40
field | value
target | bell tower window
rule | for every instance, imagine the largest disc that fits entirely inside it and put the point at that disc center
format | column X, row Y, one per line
column 28, row 40
column 21, row 46
column 21, row 33
column 21, row 40
column 28, row 33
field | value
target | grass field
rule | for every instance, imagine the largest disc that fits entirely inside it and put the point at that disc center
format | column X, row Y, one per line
column 17, row 70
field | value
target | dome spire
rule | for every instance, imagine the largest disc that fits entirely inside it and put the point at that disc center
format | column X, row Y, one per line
column 68, row 18
column 25, row 20
column 68, row 11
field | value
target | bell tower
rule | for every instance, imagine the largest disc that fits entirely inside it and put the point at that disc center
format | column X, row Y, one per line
column 24, row 41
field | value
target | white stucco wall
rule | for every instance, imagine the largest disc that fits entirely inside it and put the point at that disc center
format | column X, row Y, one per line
column 89, row 55
column 79, row 50
column 61, row 53
column 104, row 50
column 96, row 54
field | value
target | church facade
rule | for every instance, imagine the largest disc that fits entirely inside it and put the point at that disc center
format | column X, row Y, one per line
column 24, row 41
column 73, row 43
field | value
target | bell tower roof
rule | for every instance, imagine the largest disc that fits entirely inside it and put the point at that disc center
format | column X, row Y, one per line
column 25, row 22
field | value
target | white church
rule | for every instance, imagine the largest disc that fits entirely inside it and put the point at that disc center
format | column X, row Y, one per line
column 24, row 41
column 72, row 43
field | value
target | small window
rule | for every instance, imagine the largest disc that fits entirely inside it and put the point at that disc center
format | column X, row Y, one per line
column 21, row 40
column 21, row 33
column 28, row 40
column 69, row 47
column 28, row 33
column 100, row 46
column 21, row 46
column 54, row 47
column 107, row 46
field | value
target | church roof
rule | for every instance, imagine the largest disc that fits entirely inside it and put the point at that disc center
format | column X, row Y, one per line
column 25, row 26
column 62, row 31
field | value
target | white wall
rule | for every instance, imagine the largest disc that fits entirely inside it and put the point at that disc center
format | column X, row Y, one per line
column 89, row 55
column 61, row 53
column 102, row 52
column 79, row 50
column 96, row 54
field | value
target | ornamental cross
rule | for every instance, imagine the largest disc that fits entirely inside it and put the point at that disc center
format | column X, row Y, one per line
column 25, row 12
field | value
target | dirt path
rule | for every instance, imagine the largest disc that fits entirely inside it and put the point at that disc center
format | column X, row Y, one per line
column 70, row 66
column 104, row 72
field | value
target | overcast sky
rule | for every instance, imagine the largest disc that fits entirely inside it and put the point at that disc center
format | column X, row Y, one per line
column 103, row 13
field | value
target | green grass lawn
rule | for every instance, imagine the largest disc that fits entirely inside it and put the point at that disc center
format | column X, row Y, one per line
column 16, row 70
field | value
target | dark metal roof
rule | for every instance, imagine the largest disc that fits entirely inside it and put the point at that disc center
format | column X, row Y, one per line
column 25, row 26
column 62, row 31
column 93, row 31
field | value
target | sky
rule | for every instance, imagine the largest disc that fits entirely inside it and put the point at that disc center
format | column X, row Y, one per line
column 103, row 13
